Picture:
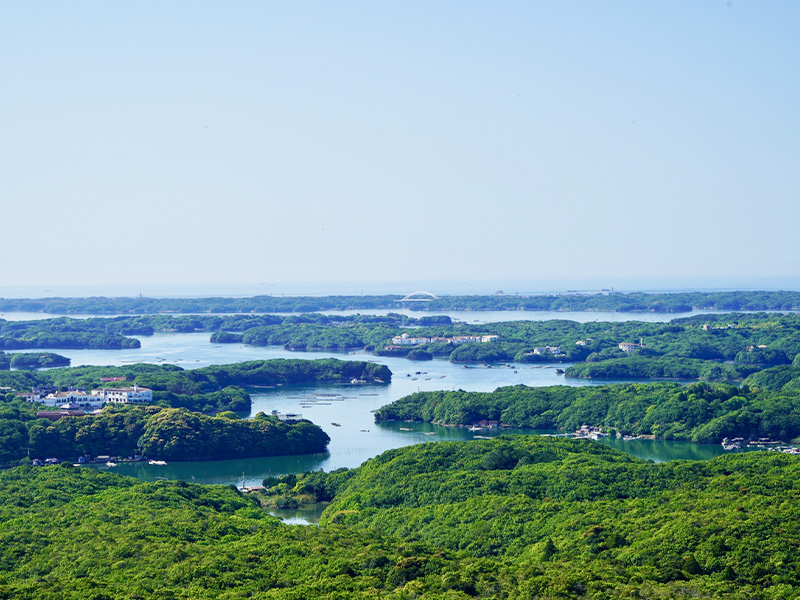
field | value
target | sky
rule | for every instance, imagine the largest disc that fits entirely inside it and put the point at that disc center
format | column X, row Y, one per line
column 258, row 142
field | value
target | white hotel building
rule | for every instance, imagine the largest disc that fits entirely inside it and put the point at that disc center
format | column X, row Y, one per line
column 126, row 395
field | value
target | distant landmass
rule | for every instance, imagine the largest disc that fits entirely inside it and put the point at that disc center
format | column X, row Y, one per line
column 566, row 301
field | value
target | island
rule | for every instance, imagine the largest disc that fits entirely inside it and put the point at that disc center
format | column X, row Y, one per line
column 32, row 360
column 764, row 406
column 130, row 431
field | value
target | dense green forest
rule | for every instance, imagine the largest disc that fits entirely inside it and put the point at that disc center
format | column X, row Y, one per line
column 152, row 431
column 622, row 302
column 518, row 518
column 661, row 367
column 701, row 412
column 214, row 388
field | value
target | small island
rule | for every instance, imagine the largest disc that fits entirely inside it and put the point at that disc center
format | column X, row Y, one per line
column 764, row 407
column 32, row 360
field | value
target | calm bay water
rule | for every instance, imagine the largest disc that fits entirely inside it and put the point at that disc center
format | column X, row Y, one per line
column 356, row 437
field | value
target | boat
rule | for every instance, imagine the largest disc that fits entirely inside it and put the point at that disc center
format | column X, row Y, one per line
column 111, row 464
column 160, row 463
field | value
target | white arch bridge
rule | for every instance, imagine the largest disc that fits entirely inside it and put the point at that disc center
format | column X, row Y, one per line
column 426, row 297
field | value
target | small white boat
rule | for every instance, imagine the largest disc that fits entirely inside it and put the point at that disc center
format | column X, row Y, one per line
column 111, row 464
column 160, row 463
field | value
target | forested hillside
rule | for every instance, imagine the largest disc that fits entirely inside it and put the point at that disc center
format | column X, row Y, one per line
column 699, row 412
column 517, row 518
column 152, row 431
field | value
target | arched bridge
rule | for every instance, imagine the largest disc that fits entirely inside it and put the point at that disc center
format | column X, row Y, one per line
column 427, row 297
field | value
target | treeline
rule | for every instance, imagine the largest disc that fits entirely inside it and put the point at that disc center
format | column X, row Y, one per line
column 618, row 302
column 152, row 431
column 700, row 412
column 515, row 518
column 660, row 367
column 209, row 389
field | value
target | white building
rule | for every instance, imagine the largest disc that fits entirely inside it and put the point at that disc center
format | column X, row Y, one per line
column 125, row 395
column 629, row 346
column 72, row 397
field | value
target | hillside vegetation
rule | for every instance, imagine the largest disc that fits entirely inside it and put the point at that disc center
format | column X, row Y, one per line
column 152, row 431
column 517, row 518
column 700, row 412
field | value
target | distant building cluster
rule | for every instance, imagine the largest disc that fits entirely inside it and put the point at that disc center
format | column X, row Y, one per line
column 406, row 340
column 759, row 347
column 555, row 350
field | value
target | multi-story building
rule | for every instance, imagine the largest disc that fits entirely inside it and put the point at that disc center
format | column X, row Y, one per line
column 125, row 395
column 79, row 397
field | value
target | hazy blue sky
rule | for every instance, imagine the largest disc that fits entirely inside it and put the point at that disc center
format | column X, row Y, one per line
column 200, row 142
